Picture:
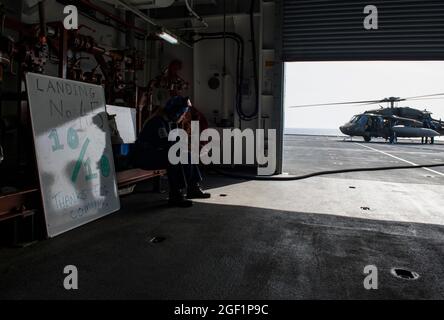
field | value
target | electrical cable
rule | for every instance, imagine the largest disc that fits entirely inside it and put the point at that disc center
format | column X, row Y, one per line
column 224, row 68
column 321, row 173
column 254, row 58
column 240, row 65
column 224, row 59
column 232, row 35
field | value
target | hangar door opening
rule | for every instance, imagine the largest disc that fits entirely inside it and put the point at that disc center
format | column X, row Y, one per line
column 333, row 57
column 338, row 114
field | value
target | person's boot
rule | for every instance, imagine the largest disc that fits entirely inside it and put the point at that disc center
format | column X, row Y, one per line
column 178, row 200
column 196, row 192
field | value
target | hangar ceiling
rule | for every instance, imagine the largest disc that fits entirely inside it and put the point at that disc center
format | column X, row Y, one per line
column 204, row 8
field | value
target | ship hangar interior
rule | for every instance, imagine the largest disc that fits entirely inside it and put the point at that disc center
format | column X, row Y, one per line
column 332, row 211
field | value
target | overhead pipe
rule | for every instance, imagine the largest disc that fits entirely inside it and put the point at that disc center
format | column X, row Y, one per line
column 192, row 12
column 213, row 16
column 144, row 17
column 136, row 11
column 108, row 14
column 133, row 9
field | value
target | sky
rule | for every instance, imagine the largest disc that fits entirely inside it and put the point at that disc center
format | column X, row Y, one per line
column 326, row 82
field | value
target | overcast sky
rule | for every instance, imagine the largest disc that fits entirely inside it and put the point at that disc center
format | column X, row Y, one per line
column 325, row 82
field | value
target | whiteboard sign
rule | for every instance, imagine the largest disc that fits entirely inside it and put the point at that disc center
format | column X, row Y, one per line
column 73, row 150
column 125, row 121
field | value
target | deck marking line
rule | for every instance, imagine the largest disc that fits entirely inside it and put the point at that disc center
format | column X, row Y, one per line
column 400, row 159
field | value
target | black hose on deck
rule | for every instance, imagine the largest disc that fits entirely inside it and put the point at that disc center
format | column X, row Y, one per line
column 322, row 173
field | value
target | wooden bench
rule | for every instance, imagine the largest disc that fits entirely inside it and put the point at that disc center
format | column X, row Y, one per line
column 132, row 176
column 25, row 203
column 18, row 203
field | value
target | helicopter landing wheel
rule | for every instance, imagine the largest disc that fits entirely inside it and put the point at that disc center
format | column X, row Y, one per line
column 367, row 138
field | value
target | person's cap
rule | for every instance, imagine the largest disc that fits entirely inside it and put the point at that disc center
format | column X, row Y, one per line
column 177, row 106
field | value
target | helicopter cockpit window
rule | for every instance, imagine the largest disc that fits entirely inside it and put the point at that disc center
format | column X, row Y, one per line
column 380, row 121
column 354, row 119
column 363, row 120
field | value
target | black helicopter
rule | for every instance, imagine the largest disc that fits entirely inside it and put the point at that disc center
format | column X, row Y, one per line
column 391, row 122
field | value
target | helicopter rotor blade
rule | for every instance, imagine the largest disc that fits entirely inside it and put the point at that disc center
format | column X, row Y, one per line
column 425, row 96
column 335, row 104
column 426, row 99
column 368, row 102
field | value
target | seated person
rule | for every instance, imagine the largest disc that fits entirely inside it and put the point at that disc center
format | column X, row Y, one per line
column 151, row 153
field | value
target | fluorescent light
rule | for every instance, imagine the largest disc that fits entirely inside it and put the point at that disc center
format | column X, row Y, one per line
column 167, row 37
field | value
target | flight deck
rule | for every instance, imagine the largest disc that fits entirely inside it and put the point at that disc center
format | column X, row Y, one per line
column 309, row 154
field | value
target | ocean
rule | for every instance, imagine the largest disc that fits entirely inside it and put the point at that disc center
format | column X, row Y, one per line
column 313, row 132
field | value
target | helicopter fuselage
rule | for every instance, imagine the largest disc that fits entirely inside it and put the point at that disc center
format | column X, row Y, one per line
column 371, row 125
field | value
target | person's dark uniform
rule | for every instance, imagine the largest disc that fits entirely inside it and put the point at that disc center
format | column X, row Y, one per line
column 427, row 123
column 151, row 153
column 392, row 134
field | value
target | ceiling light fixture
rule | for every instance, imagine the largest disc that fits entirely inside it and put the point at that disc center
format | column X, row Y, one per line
column 168, row 37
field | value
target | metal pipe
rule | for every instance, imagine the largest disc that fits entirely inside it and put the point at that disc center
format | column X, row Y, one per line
column 106, row 13
column 144, row 17
column 211, row 17
column 63, row 50
column 42, row 21
column 136, row 11
column 190, row 9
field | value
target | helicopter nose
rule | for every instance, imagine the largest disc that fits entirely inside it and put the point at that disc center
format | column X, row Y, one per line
column 343, row 129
